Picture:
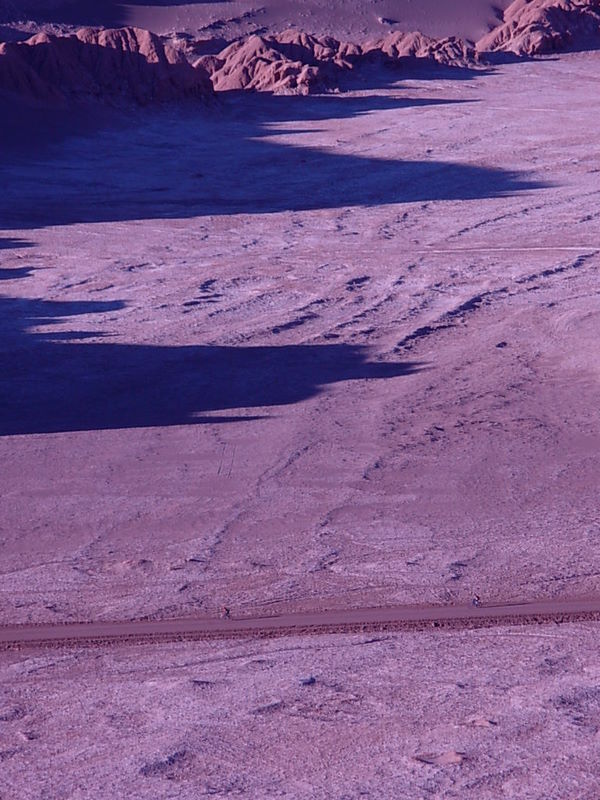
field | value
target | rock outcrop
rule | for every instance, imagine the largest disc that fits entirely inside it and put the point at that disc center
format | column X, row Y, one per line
column 535, row 27
column 297, row 63
column 129, row 64
column 116, row 65
column 289, row 63
column 451, row 51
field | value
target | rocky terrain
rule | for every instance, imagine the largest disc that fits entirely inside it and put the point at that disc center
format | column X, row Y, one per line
column 135, row 64
column 534, row 27
column 106, row 65
column 293, row 62
column 128, row 63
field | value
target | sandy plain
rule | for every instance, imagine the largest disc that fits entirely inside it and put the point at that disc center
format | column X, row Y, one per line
column 286, row 354
column 376, row 383
column 509, row 713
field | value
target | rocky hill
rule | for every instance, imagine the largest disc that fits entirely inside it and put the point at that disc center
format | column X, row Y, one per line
column 534, row 27
column 127, row 64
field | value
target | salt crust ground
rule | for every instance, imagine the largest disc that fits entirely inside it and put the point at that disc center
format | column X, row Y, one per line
column 380, row 310
column 508, row 713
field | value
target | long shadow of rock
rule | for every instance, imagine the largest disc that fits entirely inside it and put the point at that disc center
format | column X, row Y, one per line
column 50, row 385
column 12, row 244
column 177, row 163
column 12, row 274
column 379, row 72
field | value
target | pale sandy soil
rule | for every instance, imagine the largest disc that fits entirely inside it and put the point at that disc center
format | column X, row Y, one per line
column 254, row 369
column 505, row 714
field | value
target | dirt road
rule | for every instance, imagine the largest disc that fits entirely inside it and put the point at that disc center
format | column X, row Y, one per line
column 339, row 621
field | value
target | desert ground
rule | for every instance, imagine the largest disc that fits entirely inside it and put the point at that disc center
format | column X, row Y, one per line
column 292, row 353
column 478, row 714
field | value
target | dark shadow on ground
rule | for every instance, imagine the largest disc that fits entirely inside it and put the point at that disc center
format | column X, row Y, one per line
column 54, row 382
column 13, row 274
column 183, row 162
column 13, row 244
column 381, row 72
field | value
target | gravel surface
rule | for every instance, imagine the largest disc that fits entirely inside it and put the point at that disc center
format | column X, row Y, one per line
column 478, row 714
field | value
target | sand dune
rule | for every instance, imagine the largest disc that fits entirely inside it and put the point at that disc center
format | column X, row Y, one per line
column 353, row 19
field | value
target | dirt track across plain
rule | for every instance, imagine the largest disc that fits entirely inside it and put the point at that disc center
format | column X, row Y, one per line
column 338, row 621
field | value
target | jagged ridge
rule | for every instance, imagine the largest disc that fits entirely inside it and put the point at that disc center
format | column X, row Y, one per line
column 295, row 62
column 134, row 64
column 118, row 64
column 533, row 27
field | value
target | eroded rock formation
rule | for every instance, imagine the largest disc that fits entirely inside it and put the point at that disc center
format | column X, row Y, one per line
column 126, row 64
column 533, row 27
column 295, row 62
